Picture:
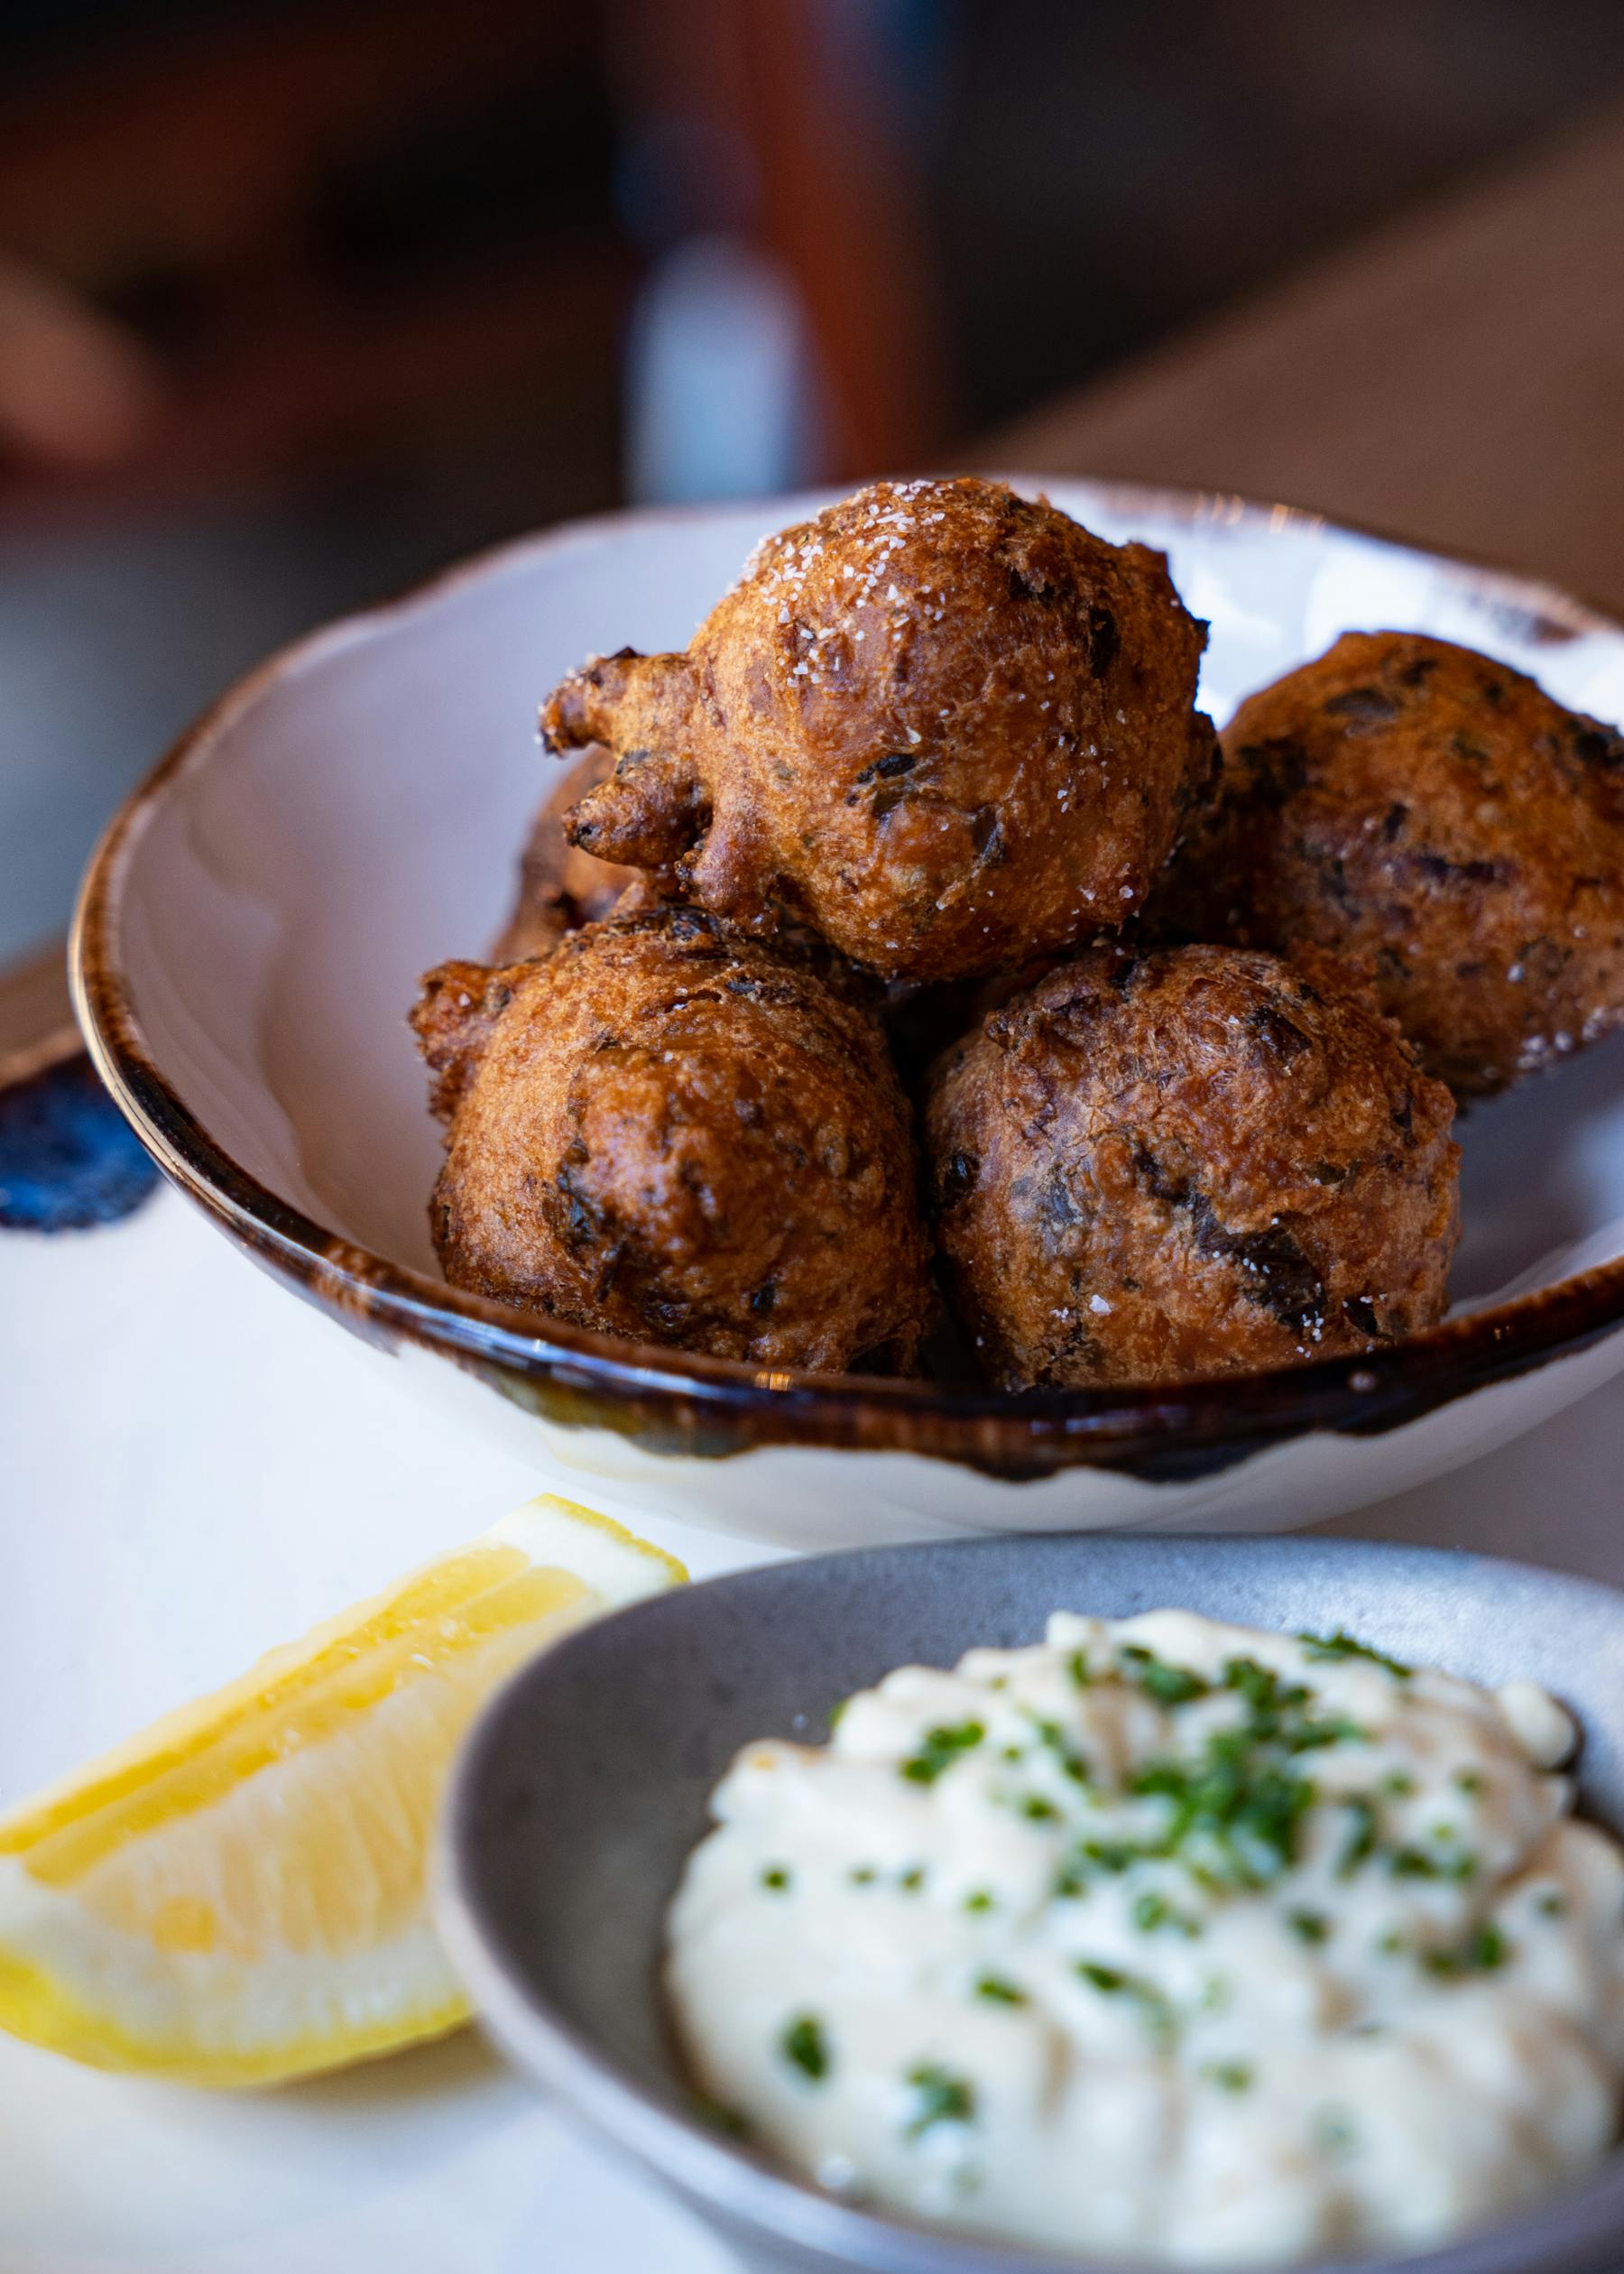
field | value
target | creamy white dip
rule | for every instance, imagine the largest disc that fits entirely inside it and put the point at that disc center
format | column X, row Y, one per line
column 1165, row 1937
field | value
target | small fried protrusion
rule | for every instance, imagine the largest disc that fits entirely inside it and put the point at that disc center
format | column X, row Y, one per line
column 671, row 1132
column 942, row 724
column 1435, row 814
column 1200, row 1162
column 561, row 887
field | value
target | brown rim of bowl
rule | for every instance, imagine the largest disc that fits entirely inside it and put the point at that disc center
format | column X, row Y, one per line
column 718, row 1405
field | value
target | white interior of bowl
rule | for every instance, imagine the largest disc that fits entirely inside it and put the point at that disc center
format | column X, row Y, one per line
column 356, row 815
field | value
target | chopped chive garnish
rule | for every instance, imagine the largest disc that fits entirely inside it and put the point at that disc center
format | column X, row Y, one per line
column 803, row 2044
column 913, row 1878
column 1282, row 1711
column 1077, row 1667
column 1151, row 1911
column 1037, row 1808
column 1414, row 1863
column 1230, row 2077
column 1051, row 1734
column 1469, row 1781
column 1259, row 1685
column 1487, row 1950
column 863, row 1875
column 1309, row 1926
column 1340, row 1644
column 1154, row 2007
column 1552, row 1903
column 980, row 1900
column 775, row 1877
column 1334, row 1729
column 942, row 2098
column 1399, row 1783
column 999, row 1991
column 1113, row 1855
column 940, row 1749
column 1168, row 1685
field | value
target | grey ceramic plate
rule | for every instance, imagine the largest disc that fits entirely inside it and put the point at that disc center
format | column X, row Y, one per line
column 584, row 1786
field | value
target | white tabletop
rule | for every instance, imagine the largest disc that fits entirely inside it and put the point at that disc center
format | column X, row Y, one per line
column 193, row 1466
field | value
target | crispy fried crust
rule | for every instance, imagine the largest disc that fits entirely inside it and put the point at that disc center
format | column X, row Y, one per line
column 1420, row 806
column 945, row 725
column 1198, row 1162
column 454, row 1019
column 561, row 887
column 672, row 1132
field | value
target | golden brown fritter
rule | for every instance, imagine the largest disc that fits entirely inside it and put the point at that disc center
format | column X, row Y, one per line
column 921, row 1023
column 1434, row 813
column 945, row 726
column 561, row 888
column 1199, row 1161
column 669, row 1131
column 454, row 1018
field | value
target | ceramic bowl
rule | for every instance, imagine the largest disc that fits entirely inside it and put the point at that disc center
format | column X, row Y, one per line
column 251, row 930
column 584, row 1788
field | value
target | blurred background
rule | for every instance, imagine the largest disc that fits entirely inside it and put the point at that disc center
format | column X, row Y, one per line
column 297, row 301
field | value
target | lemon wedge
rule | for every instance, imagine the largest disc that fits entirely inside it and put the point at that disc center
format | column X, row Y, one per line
column 238, row 1895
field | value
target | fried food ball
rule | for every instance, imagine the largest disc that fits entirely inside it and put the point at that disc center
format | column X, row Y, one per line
column 1435, row 813
column 944, row 724
column 921, row 1023
column 561, row 888
column 1197, row 1162
column 669, row 1131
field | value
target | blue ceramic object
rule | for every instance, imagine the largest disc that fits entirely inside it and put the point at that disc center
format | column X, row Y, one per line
column 68, row 1159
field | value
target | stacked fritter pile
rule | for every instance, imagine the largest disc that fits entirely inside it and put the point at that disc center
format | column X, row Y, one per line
column 926, row 804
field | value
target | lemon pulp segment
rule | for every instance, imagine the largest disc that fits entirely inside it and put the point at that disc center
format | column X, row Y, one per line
column 239, row 1893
